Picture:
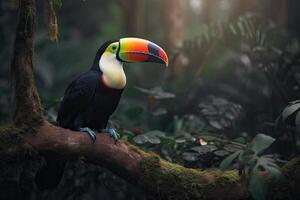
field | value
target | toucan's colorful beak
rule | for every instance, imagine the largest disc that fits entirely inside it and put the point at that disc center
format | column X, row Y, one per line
column 140, row 50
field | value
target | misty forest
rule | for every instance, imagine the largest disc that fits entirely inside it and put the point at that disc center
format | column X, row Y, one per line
column 149, row 99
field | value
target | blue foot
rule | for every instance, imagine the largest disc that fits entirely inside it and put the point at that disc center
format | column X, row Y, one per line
column 112, row 132
column 90, row 132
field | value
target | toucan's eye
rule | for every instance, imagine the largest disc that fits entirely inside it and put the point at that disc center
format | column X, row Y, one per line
column 114, row 47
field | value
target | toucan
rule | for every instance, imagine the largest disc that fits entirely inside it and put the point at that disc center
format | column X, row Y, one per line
column 90, row 99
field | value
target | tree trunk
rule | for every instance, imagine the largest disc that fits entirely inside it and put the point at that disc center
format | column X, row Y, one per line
column 174, row 21
column 294, row 17
column 27, row 102
column 280, row 12
column 174, row 29
column 207, row 10
column 244, row 6
column 133, row 11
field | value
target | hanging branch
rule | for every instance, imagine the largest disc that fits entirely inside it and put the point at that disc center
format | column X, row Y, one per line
column 51, row 9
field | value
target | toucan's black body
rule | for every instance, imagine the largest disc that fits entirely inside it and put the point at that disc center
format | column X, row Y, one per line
column 88, row 103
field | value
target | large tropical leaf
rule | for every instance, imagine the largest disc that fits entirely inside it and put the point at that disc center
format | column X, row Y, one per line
column 257, row 187
column 228, row 161
column 297, row 121
column 289, row 110
column 261, row 142
column 269, row 165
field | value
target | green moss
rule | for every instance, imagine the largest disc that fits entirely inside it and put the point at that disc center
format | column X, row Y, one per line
column 288, row 188
column 173, row 181
column 28, row 119
column 228, row 177
column 292, row 168
column 292, row 171
column 169, row 179
column 19, row 160
column 9, row 135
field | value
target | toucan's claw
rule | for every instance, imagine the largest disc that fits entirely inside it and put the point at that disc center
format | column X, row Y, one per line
column 112, row 132
column 90, row 132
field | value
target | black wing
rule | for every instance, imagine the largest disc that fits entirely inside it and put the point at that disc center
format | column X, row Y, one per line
column 77, row 98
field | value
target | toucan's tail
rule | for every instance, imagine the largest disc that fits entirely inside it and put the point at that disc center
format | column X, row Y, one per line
column 50, row 175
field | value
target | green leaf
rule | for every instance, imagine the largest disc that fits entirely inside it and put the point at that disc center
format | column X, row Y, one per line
column 140, row 139
column 221, row 153
column 269, row 165
column 156, row 133
column 164, row 95
column 126, row 133
column 190, row 156
column 159, row 111
column 232, row 29
column 228, row 161
column 157, row 92
column 232, row 148
column 240, row 140
column 294, row 102
column 167, row 140
column 143, row 90
column 257, row 187
column 202, row 150
column 289, row 110
column 152, row 137
column 261, row 142
column 180, row 140
column 279, row 124
column 297, row 121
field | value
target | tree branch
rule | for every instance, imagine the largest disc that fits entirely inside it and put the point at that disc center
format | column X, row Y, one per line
column 146, row 170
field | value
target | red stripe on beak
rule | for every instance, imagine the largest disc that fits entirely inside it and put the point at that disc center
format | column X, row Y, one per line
column 164, row 56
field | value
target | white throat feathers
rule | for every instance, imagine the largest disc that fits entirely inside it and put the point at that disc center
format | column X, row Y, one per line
column 112, row 69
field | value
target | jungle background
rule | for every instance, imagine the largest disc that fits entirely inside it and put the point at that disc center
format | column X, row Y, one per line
column 233, row 75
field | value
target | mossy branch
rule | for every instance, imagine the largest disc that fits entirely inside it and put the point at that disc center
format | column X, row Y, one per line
column 146, row 170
